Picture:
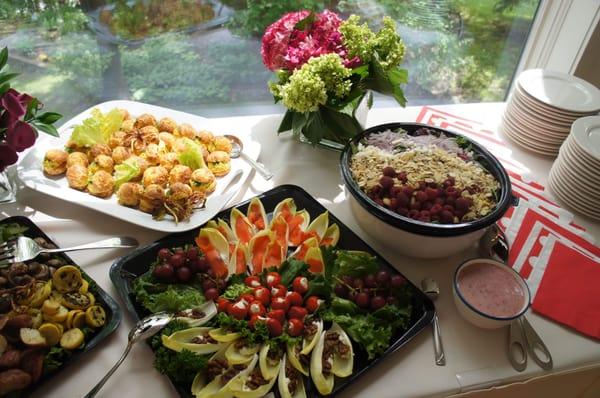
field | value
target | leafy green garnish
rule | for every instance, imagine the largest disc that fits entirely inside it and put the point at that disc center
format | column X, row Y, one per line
column 55, row 358
column 462, row 142
column 125, row 171
column 319, row 286
column 180, row 367
column 11, row 230
column 98, row 128
column 290, row 269
column 156, row 296
column 355, row 263
column 372, row 331
column 258, row 335
column 192, row 155
column 236, row 290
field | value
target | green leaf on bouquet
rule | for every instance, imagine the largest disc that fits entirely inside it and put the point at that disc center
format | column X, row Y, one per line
column 32, row 108
column 305, row 23
column 286, row 122
column 387, row 82
column 341, row 126
column 46, row 128
column 49, row 117
column 7, row 76
column 315, row 129
column 362, row 71
column 299, row 120
column 3, row 57
column 4, row 87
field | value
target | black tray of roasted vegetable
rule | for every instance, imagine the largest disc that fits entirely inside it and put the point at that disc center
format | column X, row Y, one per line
column 275, row 294
column 51, row 313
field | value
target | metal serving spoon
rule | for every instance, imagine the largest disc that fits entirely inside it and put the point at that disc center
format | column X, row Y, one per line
column 432, row 290
column 237, row 151
column 144, row 329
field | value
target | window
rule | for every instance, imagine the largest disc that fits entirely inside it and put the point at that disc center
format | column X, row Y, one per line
column 203, row 56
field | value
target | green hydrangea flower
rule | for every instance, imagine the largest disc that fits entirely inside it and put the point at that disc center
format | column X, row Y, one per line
column 311, row 85
column 388, row 45
column 304, row 92
column 385, row 45
column 358, row 39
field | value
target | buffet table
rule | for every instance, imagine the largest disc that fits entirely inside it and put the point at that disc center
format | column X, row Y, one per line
column 476, row 359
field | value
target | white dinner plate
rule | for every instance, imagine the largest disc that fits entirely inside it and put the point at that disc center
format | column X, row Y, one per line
column 539, row 117
column 587, row 133
column 560, row 90
column 31, row 173
column 572, row 162
column 513, row 131
column 528, row 99
column 545, row 135
column 585, row 188
column 534, row 110
column 561, row 190
column 583, row 157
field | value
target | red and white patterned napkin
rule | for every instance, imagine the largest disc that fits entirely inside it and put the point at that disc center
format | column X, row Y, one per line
column 558, row 259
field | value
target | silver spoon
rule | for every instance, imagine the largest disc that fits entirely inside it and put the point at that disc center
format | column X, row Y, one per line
column 144, row 329
column 432, row 290
column 237, row 151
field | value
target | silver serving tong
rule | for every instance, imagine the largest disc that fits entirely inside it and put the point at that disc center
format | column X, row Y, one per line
column 523, row 339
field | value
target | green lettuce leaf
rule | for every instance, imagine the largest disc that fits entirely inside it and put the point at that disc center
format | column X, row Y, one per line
column 236, row 290
column 156, row 296
column 98, row 128
column 192, row 155
column 125, row 171
column 356, row 263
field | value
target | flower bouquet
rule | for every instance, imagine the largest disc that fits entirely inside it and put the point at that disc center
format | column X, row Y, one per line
column 325, row 67
column 19, row 124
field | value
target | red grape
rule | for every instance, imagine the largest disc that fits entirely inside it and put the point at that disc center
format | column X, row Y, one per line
column 391, row 300
column 211, row 294
column 164, row 271
column 358, row 283
column 370, row 281
column 203, row 265
column 362, row 300
column 341, row 291
column 177, row 260
column 164, row 254
column 192, row 253
column 382, row 277
column 397, row 281
column 377, row 302
column 208, row 284
column 389, row 171
column 386, row 182
column 184, row 274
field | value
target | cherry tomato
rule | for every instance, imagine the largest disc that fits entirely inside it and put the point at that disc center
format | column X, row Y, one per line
column 295, row 327
column 256, row 308
column 254, row 319
column 274, row 327
column 277, row 314
column 273, row 279
column 297, row 312
column 280, row 303
column 300, row 284
column 252, row 281
column 278, row 291
column 223, row 305
column 294, row 298
column 263, row 295
column 247, row 297
column 239, row 310
column 312, row 303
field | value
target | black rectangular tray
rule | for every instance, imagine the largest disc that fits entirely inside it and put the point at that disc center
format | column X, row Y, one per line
column 113, row 312
column 126, row 269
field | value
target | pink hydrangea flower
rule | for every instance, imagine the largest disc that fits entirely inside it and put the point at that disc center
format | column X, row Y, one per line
column 284, row 47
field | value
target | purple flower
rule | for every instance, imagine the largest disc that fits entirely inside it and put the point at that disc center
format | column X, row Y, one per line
column 21, row 136
column 8, row 156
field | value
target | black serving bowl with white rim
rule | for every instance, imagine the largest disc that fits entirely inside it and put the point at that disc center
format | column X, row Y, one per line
column 417, row 238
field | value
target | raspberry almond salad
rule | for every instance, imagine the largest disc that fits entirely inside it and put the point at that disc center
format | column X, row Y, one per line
column 269, row 303
column 425, row 176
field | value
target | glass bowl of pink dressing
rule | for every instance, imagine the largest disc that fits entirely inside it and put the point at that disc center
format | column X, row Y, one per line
column 489, row 294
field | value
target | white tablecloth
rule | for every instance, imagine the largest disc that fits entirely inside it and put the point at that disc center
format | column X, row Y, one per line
column 475, row 358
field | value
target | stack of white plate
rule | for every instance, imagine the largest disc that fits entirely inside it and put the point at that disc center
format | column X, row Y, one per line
column 543, row 106
column 575, row 175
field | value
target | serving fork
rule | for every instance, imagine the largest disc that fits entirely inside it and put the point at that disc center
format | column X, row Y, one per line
column 24, row 248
